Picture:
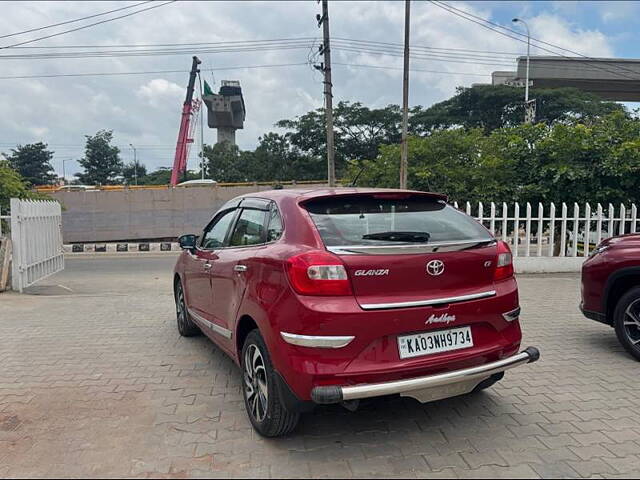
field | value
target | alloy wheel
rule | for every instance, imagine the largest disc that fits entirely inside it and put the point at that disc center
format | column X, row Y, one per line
column 631, row 323
column 255, row 383
column 181, row 311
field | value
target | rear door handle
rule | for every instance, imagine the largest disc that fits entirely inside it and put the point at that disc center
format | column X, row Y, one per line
column 207, row 266
column 240, row 268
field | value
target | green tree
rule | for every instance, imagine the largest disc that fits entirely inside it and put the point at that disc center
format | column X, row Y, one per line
column 597, row 160
column 226, row 163
column 276, row 158
column 359, row 132
column 102, row 164
column 162, row 176
column 131, row 171
column 12, row 185
column 442, row 162
column 33, row 162
column 491, row 107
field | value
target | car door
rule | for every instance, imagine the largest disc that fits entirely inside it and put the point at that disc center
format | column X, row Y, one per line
column 235, row 266
column 200, row 261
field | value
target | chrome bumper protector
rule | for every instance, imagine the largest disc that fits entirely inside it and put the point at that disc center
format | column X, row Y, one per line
column 316, row 341
column 336, row 394
column 426, row 303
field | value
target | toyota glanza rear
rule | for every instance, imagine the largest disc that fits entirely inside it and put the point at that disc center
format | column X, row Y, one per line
column 398, row 293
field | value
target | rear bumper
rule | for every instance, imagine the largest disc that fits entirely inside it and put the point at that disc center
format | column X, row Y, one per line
column 597, row 316
column 423, row 387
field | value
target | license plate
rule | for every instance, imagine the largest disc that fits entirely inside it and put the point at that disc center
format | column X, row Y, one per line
column 435, row 342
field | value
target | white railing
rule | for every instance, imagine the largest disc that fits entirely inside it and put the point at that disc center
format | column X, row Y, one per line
column 550, row 230
column 36, row 235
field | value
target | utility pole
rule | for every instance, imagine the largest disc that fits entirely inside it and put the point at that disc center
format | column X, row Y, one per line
column 405, row 99
column 135, row 164
column 325, row 49
column 201, row 128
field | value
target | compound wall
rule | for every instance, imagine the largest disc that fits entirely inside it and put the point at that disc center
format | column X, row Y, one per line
column 108, row 216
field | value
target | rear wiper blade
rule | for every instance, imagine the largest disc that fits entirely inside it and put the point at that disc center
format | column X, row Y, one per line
column 422, row 237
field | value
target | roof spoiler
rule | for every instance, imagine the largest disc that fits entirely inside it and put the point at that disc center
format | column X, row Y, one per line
column 379, row 194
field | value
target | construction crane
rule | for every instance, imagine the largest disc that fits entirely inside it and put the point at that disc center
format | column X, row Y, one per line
column 185, row 134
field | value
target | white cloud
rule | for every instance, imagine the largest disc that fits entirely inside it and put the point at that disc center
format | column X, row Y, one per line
column 159, row 91
column 558, row 31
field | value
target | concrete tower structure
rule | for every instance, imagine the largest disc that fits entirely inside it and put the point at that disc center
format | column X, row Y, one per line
column 226, row 111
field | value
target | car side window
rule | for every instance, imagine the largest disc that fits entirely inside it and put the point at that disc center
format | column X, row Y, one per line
column 274, row 230
column 215, row 234
column 249, row 229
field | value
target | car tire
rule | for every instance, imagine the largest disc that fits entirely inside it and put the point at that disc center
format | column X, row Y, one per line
column 186, row 327
column 265, row 408
column 626, row 320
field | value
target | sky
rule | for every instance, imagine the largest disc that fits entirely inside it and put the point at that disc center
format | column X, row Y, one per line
column 144, row 109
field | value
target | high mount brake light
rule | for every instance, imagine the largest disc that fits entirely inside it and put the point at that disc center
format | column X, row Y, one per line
column 318, row 273
column 504, row 262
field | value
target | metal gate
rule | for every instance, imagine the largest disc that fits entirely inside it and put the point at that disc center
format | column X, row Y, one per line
column 36, row 234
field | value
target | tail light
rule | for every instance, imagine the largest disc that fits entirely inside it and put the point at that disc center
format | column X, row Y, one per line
column 318, row 273
column 504, row 262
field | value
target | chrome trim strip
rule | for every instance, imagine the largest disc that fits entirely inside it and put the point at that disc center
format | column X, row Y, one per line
column 426, row 303
column 334, row 394
column 316, row 341
column 211, row 326
column 407, row 249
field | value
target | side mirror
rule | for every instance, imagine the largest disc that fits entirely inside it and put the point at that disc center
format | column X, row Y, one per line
column 187, row 242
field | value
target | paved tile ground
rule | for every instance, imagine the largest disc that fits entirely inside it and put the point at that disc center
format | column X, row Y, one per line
column 96, row 382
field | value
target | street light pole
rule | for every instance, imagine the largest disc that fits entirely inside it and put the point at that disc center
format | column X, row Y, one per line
column 526, row 86
column 135, row 163
column 64, row 174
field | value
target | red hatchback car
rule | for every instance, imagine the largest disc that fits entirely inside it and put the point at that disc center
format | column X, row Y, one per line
column 611, row 288
column 336, row 295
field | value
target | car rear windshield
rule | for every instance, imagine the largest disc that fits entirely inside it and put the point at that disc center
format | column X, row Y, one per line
column 367, row 220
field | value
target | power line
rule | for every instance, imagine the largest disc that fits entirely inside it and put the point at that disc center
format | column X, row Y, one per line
column 467, row 60
column 466, row 16
column 151, row 72
column 239, row 67
column 253, row 46
column 457, row 57
column 384, row 67
column 248, row 42
column 413, row 47
column 87, row 26
column 149, row 53
column 423, row 51
column 190, row 44
column 73, row 21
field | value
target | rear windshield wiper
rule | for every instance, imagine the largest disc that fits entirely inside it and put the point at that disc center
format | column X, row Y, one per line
column 422, row 237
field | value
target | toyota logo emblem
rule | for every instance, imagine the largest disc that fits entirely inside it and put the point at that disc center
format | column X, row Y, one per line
column 435, row 267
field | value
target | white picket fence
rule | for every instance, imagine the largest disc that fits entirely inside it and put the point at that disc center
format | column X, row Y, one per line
column 548, row 231
column 36, row 235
